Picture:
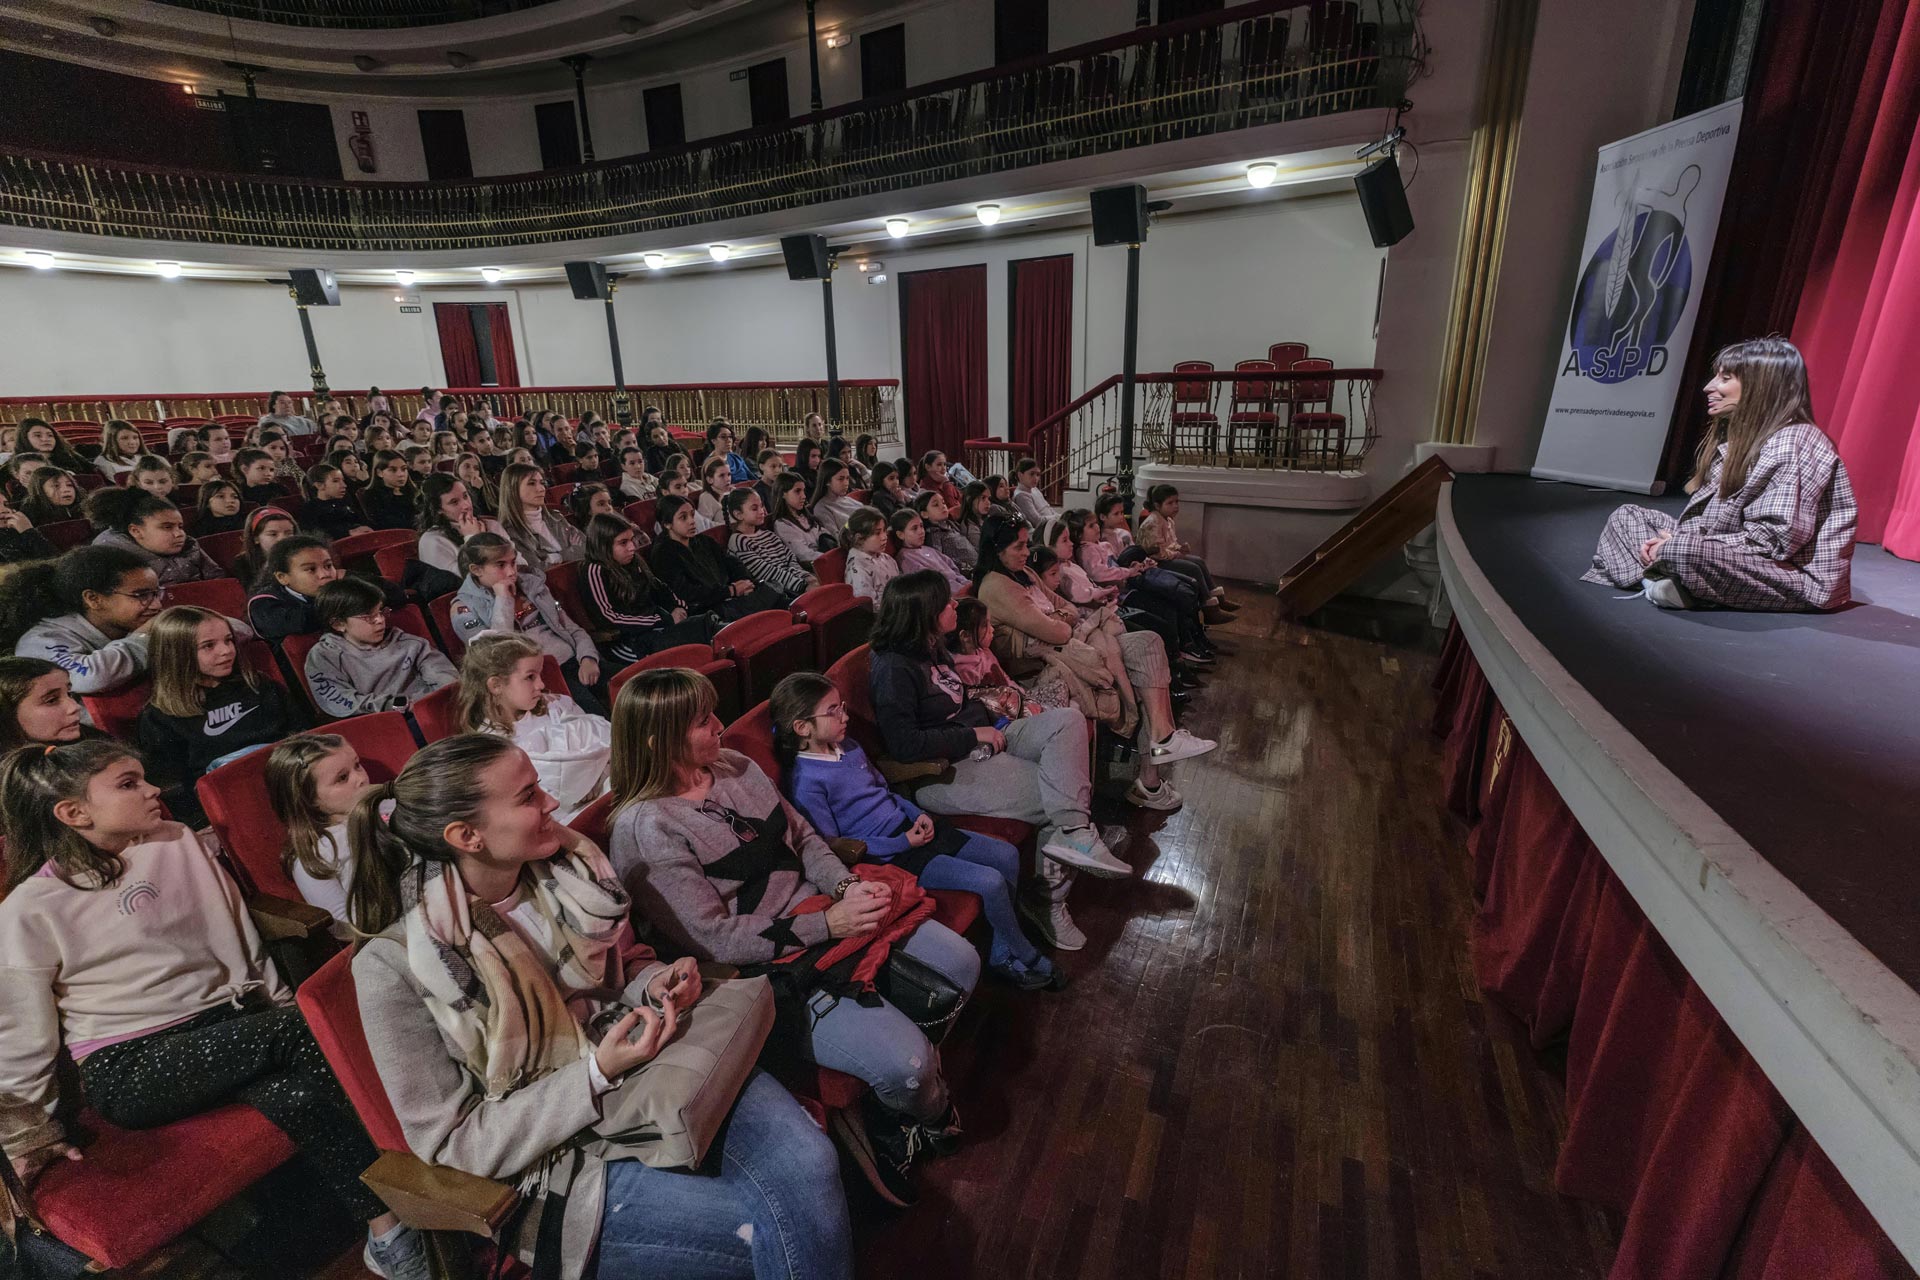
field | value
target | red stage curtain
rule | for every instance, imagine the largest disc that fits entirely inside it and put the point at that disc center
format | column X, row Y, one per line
column 1669, row 1120
column 1861, row 304
column 458, row 351
column 1042, row 340
column 506, row 371
column 946, row 358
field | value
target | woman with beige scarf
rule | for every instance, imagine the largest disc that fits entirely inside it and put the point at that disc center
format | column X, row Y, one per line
column 521, row 1031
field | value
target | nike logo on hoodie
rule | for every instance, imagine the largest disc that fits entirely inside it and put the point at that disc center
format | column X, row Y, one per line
column 221, row 719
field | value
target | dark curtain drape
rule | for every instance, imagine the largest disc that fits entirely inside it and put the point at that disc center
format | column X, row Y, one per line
column 1042, row 340
column 458, row 351
column 1818, row 84
column 506, row 372
column 945, row 334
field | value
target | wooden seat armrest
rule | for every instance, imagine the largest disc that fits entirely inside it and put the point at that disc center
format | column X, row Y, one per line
column 432, row 1197
column 919, row 773
column 283, row 918
column 847, row 849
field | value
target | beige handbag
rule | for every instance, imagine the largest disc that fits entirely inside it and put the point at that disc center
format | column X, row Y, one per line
column 665, row 1112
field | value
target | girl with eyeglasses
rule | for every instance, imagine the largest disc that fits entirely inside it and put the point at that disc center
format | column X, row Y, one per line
column 87, row 613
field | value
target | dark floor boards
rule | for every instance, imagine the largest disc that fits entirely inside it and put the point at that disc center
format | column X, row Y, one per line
column 1273, row 1060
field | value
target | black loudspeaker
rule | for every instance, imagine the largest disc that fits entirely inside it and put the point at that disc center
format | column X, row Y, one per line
column 314, row 287
column 806, row 257
column 1119, row 214
column 1384, row 201
column 589, row 281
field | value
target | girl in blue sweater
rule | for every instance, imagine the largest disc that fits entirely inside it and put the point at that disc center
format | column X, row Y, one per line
column 830, row 780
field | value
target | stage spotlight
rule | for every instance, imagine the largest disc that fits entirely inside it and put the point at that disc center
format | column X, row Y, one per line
column 654, row 261
column 1262, row 173
column 404, row 277
column 720, row 252
column 167, row 269
column 39, row 259
column 490, row 274
column 897, row 227
column 988, row 214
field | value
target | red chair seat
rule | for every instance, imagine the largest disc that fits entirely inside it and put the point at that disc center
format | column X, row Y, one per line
column 225, row 596
column 563, row 580
column 767, row 647
column 138, row 1189
column 955, row 909
column 66, row 534
column 361, row 550
column 752, row 736
column 831, row 567
column 441, row 610
column 332, row 1011
column 225, row 548
column 697, row 657
column 641, row 515
column 839, row 619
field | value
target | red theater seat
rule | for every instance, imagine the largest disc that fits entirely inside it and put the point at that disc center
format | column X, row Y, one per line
column 831, row 567
column 752, row 736
column 66, row 534
column 563, row 580
column 224, row 596
column 225, row 548
column 441, row 610
column 697, row 657
column 640, row 515
column 765, row 646
column 839, row 620
column 361, row 550
column 135, row 1190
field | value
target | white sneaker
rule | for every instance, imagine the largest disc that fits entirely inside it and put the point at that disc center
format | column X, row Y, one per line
column 1180, row 745
column 1051, row 921
column 1083, row 848
column 1163, row 797
column 1665, row 593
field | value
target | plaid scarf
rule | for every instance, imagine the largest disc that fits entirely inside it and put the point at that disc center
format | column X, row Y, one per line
column 499, row 1002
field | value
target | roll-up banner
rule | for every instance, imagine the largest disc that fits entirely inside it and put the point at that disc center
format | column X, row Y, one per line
column 1650, row 229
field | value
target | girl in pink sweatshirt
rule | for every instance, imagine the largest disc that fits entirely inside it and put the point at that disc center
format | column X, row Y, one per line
column 124, row 940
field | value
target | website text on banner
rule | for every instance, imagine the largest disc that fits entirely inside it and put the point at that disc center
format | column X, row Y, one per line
column 1650, row 231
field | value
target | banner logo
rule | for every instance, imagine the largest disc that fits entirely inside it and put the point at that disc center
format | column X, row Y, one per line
column 1635, row 285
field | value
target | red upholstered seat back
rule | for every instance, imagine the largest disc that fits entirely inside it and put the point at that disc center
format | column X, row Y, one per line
column 225, row 548
column 563, row 580
column 831, row 567
column 332, row 1010
column 595, row 822
column 752, row 736
column 441, row 607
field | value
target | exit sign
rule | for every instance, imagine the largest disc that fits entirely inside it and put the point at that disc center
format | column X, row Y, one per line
column 409, row 309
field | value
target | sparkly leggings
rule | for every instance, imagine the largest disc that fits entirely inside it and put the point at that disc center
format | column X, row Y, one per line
column 266, row 1059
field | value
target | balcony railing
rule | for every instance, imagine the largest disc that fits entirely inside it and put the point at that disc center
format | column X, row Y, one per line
column 866, row 405
column 1297, row 420
column 1261, row 63
column 356, row 15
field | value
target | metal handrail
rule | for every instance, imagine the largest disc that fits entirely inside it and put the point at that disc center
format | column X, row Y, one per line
column 1256, row 64
column 356, row 15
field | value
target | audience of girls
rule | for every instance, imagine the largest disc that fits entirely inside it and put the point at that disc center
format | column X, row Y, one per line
column 52, row 495
column 480, row 910
column 19, row 540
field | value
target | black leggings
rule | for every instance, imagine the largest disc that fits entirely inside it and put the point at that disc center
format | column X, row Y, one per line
column 591, row 697
column 266, row 1059
column 633, row 644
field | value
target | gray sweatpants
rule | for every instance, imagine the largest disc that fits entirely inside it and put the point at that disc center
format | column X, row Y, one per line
column 1043, row 777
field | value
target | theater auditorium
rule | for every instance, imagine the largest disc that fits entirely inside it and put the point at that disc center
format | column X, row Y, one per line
column 809, row 639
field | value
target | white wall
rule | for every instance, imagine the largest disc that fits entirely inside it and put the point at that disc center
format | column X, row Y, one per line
column 1215, row 286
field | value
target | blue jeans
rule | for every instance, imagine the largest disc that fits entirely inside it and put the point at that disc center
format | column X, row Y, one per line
column 773, row 1211
column 878, row 1043
column 991, row 869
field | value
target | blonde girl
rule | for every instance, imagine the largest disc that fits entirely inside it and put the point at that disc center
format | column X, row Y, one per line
column 313, row 780
column 502, row 691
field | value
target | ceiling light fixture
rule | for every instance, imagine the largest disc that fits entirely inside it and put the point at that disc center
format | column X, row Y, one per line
column 719, row 252
column 167, row 269
column 897, row 227
column 39, row 259
column 404, row 277
column 988, row 214
column 490, row 274
column 654, row 260
column 1262, row 173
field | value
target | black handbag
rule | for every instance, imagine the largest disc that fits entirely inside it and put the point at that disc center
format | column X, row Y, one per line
column 26, row 1248
column 922, row 992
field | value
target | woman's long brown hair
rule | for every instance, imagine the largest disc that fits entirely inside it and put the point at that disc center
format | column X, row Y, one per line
column 1773, row 396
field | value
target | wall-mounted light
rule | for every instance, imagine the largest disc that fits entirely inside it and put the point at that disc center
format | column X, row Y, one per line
column 189, row 88
column 897, row 227
column 838, row 40
column 871, row 264
column 39, row 259
column 719, row 252
column 878, row 277
column 654, row 261
column 167, row 269
column 1262, row 173
column 490, row 274
column 404, row 277
column 988, row 214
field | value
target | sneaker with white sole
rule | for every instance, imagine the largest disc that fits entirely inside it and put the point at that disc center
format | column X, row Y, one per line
column 1180, row 745
column 404, row 1257
column 1082, row 847
column 1666, row 593
column 1051, row 921
column 1164, row 797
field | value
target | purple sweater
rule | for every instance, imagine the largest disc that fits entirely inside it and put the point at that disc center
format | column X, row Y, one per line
column 848, row 797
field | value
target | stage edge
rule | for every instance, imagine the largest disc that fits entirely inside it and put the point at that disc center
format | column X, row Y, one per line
column 1836, row 1031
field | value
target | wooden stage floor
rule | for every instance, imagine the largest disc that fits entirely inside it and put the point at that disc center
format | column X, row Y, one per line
column 1273, row 1059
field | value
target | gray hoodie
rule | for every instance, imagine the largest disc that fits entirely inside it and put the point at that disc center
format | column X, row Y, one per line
column 349, row 679
column 190, row 565
column 93, row 663
column 553, row 630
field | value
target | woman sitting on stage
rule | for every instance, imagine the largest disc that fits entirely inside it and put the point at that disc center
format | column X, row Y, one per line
column 1769, row 523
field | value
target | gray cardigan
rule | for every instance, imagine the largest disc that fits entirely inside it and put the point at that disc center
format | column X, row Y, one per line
column 670, row 857
column 472, row 613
